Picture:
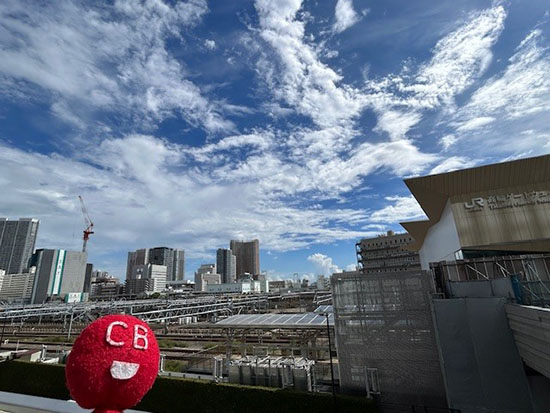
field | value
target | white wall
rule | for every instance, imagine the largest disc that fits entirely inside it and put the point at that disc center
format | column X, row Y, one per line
column 441, row 241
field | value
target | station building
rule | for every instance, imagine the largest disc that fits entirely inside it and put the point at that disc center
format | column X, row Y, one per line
column 468, row 329
column 492, row 210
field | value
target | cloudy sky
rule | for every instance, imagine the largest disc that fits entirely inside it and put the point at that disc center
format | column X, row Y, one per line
column 190, row 123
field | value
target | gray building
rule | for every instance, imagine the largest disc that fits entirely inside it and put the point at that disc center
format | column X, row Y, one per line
column 173, row 259
column 206, row 274
column 387, row 253
column 17, row 241
column 148, row 278
column 226, row 263
column 247, row 255
column 137, row 257
column 88, row 277
column 105, row 288
column 58, row 273
column 16, row 288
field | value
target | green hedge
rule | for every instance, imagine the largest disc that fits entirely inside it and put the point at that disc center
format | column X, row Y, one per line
column 176, row 395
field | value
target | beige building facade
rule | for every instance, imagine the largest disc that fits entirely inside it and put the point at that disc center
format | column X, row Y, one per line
column 499, row 209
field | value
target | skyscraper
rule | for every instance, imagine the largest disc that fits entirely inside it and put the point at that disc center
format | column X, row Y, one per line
column 137, row 257
column 248, row 256
column 17, row 240
column 227, row 265
column 88, row 277
column 173, row 259
column 147, row 278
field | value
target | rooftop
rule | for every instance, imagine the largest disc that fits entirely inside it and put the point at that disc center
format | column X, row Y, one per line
column 303, row 320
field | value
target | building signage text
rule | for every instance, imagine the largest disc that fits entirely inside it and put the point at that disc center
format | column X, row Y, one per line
column 508, row 201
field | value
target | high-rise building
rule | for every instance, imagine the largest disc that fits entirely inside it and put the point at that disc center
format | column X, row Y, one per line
column 17, row 288
column 227, row 265
column 58, row 273
column 206, row 274
column 173, row 259
column 88, row 277
column 386, row 253
column 148, row 278
column 17, row 240
column 247, row 255
column 137, row 257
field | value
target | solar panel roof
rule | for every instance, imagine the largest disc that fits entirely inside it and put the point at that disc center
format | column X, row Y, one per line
column 323, row 309
column 303, row 320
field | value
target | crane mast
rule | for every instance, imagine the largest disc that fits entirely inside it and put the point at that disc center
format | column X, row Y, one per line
column 88, row 222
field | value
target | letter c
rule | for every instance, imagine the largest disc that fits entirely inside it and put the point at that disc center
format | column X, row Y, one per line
column 110, row 330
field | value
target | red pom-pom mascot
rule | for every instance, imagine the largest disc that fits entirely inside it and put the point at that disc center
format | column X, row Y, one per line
column 113, row 363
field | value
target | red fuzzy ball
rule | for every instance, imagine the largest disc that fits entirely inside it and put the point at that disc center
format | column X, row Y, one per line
column 113, row 363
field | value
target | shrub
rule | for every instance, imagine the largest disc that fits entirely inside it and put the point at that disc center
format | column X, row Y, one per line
column 176, row 395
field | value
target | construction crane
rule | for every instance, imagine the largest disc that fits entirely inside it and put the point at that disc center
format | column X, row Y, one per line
column 88, row 222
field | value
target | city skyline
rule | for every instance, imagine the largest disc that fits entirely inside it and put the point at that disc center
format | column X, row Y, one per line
column 193, row 124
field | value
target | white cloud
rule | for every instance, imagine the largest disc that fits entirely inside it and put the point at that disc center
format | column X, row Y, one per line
column 454, row 163
column 140, row 190
column 459, row 58
column 447, row 141
column 506, row 116
column 476, row 123
column 110, row 58
column 345, row 16
column 210, row 44
column 396, row 123
column 402, row 208
column 296, row 75
column 520, row 91
column 351, row 267
column 323, row 264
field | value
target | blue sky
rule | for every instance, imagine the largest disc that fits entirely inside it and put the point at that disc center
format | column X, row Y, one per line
column 190, row 123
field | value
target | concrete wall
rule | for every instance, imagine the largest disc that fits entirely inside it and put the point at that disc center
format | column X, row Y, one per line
column 74, row 273
column 441, row 241
column 481, row 364
column 531, row 327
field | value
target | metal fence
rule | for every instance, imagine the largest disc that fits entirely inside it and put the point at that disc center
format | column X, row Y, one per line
column 385, row 339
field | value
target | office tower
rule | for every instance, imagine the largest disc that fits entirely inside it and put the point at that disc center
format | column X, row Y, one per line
column 386, row 253
column 88, row 277
column 178, row 268
column 147, row 278
column 137, row 257
column 248, row 257
column 58, row 273
column 206, row 274
column 17, row 240
column 227, row 265
column 17, row 288
column 173, row 259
